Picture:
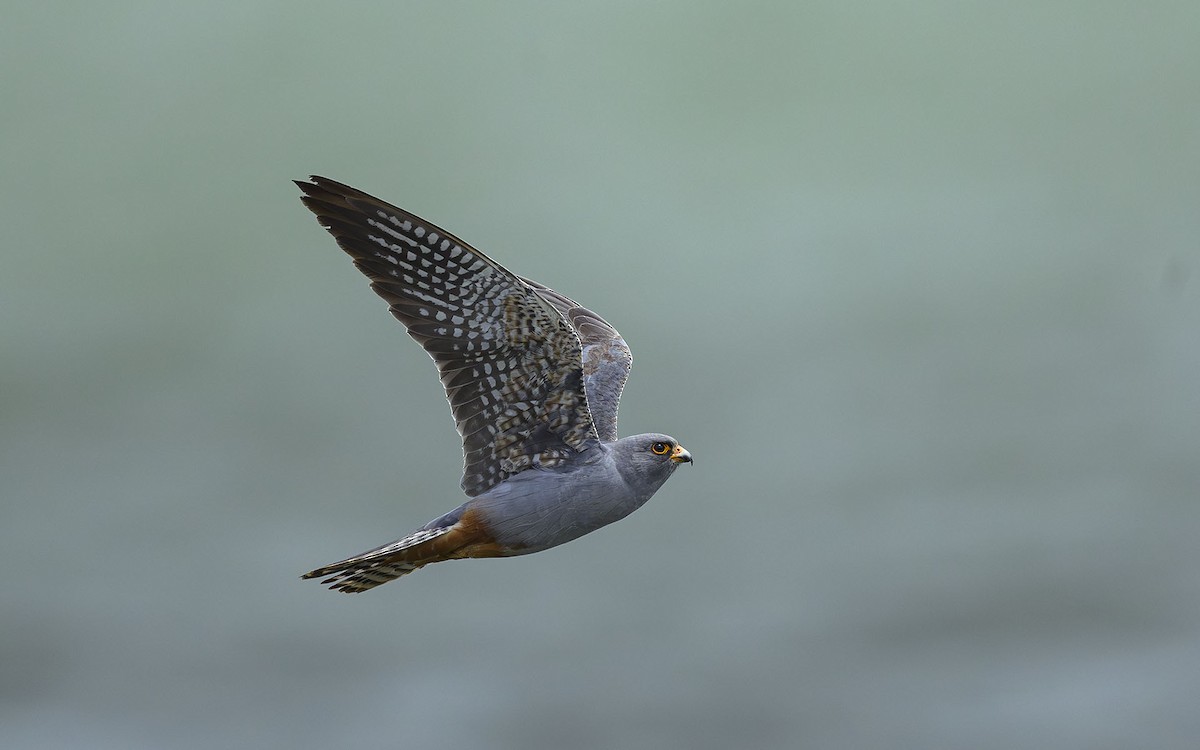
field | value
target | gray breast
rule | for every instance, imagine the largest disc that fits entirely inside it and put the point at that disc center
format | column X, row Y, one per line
column 538, row 509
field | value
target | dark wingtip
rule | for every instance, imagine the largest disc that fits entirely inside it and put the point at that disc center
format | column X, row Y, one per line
column 316, row 185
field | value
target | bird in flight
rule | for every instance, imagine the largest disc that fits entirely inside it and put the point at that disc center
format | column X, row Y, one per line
column 533, row 381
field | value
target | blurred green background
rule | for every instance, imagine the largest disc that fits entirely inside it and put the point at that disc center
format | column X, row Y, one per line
column 916, row 283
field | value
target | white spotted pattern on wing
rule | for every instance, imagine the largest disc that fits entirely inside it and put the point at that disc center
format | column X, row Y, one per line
column 509, row 361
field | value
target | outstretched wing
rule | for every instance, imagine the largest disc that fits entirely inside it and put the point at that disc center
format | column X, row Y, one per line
column 510, row 362
column 606, row 359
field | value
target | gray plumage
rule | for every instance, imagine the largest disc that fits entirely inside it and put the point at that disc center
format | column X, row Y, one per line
column 533, row 380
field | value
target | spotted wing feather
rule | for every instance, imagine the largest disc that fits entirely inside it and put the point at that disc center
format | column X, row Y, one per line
column 606, row 359
column 509, row 360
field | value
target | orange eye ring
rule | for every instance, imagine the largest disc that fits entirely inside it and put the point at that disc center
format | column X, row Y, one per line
column 660, row 449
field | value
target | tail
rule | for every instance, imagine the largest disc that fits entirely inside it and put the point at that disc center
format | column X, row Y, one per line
column 467, row 537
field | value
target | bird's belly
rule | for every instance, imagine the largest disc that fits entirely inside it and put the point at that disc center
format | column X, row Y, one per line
column 531, row 516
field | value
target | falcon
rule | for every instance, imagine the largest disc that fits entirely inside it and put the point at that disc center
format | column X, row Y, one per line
column 533, row 380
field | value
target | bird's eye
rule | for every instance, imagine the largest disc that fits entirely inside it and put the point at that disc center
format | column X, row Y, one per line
column 660, row 449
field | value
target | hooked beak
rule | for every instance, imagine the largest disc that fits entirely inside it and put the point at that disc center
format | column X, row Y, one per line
column 680, row 455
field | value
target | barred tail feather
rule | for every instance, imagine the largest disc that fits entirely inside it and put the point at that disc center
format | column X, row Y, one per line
column 386, row 563
column 464, row 534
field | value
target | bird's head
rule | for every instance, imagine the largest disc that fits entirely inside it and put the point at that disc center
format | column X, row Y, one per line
column 650, row 458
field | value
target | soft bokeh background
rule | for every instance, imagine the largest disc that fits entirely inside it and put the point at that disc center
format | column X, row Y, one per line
column 918, row 284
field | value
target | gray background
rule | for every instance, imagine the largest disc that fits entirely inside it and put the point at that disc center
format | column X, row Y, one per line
column 916, row 283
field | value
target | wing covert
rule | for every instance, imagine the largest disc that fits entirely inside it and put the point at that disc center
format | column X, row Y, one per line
column 606, row 359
